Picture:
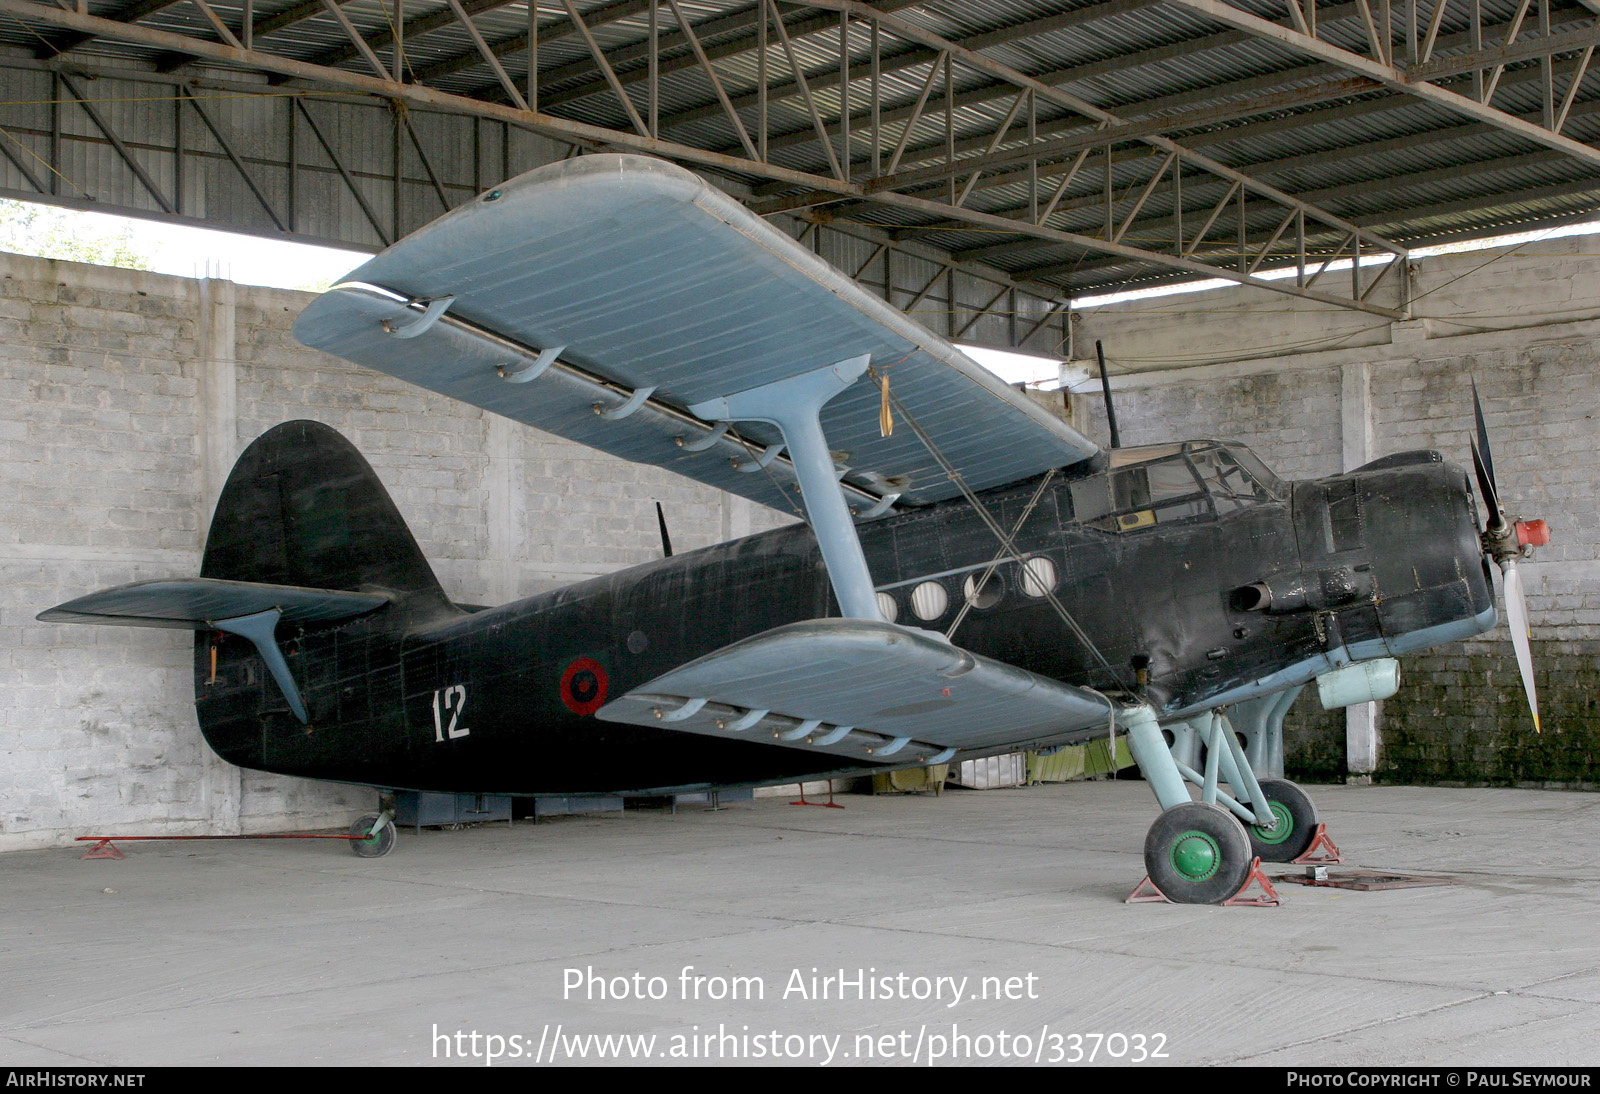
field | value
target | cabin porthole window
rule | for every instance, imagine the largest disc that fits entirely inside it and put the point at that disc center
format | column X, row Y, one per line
column 1038, row 576
column 929, row 600
column 988, row 595
column 888, row 608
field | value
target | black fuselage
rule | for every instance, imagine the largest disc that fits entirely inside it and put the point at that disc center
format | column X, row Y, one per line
column 1195, row 591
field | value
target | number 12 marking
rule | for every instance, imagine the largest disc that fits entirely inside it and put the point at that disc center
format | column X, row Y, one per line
column 455, row 701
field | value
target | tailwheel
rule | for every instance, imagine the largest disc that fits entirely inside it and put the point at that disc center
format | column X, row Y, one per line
column 378, row 835
column 1197, row 853
column 1297, row 823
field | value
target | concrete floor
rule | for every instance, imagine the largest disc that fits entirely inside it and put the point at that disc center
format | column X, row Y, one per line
column 297, row 952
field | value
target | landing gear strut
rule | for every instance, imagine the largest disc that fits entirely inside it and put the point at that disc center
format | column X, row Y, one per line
column 1203, row 852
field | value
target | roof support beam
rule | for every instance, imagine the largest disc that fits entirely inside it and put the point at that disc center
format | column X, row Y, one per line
column 185, row 95
column 422, row 24
column 1105, row 119
column 1390, row 76
column 747, row 43
column 1238, row 98
column 116, row 142
column 805, row 27
column 1058, row 77
column 1366, row 190
column 516, row 43
column 600, row 136
column 132, row 13
column 1302, row 161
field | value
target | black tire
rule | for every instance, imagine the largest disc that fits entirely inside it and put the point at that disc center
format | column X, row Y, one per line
column 1197, row 853
column 375, row 844
column 1297, row 823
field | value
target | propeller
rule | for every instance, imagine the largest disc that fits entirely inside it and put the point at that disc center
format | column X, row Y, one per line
column 1506, row 541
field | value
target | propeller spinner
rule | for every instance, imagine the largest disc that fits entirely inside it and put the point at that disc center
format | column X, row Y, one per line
column 1505, row 541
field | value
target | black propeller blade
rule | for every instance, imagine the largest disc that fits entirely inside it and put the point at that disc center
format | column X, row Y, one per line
column 1483, row 465
column 1503, row 541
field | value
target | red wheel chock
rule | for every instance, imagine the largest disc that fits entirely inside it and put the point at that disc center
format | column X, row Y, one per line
column 1146, row 892
column 104, row 849
column 1322, row 852
column 1267, row 898
column 829, row 804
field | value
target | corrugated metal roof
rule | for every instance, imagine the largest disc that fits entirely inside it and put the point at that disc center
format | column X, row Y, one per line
column 1364, row 152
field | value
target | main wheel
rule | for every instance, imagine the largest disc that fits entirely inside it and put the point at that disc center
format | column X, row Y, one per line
column 375, row 844
column 1197, row 853
column 1297, row 823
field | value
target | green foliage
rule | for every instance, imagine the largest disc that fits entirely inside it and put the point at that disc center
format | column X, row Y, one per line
column 316, row 285
column 48, row 232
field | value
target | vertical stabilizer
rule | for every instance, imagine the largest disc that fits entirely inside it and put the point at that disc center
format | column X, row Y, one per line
column 304, row 508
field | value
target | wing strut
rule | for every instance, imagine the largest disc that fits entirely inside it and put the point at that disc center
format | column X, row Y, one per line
column 1006, row 541
column 795, row 405
column 261, row 629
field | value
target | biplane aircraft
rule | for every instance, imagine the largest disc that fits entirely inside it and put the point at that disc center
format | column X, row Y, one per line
column 973, row 575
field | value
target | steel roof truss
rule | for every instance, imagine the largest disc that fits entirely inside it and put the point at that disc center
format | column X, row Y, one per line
column 837, row 183
column 1382, row 66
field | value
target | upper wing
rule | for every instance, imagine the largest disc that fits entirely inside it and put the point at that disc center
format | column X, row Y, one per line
column 869, row 691
column 649, row 281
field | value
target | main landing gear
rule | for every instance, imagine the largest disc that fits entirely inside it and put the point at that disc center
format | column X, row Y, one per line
column 1203, row 852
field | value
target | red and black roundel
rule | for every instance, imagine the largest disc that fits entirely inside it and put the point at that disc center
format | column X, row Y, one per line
column 583, row 686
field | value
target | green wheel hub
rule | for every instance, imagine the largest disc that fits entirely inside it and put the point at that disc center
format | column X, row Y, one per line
column 1196, row 855
column 1282, row 832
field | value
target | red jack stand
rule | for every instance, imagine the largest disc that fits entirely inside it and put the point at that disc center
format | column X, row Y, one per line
column 1267, row 898
column 1322, row 852
column 829, row 804
column 104, row 849
column 1147, row 893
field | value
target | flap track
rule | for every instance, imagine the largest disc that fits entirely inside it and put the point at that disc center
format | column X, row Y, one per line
column 699, row 715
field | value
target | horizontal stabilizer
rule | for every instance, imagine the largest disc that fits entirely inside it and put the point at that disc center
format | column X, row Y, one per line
column 197, row 603
column 870, row 691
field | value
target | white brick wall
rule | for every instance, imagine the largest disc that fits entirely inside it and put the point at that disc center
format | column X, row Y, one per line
column 104, row 428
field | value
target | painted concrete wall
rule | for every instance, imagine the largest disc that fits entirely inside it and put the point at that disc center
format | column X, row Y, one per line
column 1345, row 388
column 124, row 399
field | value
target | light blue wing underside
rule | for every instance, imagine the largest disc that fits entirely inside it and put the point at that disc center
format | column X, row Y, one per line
column 882, row 683
column 651, row 278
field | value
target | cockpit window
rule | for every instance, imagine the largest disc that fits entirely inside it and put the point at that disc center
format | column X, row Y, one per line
column 1143, row 453
column 1229, row 484
column 1256, row 469
column 1154, row 492
column 1160, row 484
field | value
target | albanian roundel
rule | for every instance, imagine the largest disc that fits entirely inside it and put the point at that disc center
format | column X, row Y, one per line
column 583, row 686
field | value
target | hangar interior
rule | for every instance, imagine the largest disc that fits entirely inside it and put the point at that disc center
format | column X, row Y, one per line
column 991, row 169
